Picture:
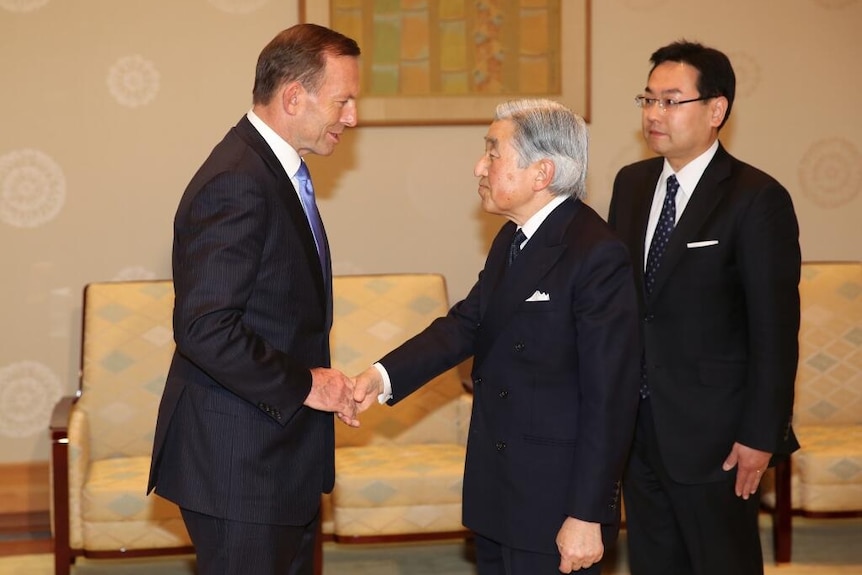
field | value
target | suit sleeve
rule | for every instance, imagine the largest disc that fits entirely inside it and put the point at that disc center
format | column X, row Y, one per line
column 605, row 313
column 445, row 343
column 217, row 258
column 770, row 261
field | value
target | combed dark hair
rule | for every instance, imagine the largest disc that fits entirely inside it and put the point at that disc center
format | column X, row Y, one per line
column 715, row 78
column 298, row 54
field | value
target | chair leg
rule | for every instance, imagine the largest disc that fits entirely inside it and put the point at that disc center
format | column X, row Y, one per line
column 782, row 516
column 62, row 560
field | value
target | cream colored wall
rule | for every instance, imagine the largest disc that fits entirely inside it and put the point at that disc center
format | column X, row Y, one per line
column 108, row 108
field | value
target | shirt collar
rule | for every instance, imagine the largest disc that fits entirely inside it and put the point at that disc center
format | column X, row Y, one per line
column 531, row 225
column 286, row 155
column 690, row 174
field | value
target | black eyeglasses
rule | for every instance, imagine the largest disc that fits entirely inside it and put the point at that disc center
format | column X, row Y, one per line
column 665, row 104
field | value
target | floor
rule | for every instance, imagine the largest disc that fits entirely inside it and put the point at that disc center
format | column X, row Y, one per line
column 820, row 547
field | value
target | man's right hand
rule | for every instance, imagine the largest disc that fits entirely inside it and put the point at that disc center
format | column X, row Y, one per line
column 333, row 391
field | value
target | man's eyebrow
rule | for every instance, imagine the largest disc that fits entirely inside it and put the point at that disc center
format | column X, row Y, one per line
column 669, row 91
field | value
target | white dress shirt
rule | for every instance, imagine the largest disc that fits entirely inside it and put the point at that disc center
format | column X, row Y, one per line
column 688, row 177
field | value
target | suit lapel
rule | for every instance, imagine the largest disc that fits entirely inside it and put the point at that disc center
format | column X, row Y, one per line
column 288, row 195
column 704, row 199
column 507, row 287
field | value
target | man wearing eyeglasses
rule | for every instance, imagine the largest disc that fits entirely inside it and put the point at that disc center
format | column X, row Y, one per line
column 717, row 262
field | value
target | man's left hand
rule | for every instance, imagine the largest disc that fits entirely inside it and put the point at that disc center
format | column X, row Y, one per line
column 580, row 544
column 751, row 464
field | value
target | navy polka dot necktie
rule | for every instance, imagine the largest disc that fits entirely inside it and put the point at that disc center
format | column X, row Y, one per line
column 515, row 247
column 660, row 237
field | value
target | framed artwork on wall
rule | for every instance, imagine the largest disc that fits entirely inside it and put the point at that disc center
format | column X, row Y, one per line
column 449, row 62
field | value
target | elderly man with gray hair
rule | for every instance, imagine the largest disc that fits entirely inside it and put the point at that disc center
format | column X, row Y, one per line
column 552, row 327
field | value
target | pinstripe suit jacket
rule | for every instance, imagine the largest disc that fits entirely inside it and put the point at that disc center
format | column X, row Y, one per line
column 252, row 316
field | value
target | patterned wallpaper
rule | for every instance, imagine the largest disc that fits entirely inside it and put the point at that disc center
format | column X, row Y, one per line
column 109, row 107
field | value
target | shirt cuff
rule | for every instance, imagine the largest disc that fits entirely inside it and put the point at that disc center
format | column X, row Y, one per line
column 387, row 384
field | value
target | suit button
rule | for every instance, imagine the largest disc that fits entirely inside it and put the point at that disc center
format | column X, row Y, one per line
column 477, row 381
column 519, row 347
column 649, row 317
column 501, row 445
column 504, row 394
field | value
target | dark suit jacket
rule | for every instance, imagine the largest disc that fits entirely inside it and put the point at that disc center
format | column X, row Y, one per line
column 555, row 387
column 252, row 316
column 720, row 327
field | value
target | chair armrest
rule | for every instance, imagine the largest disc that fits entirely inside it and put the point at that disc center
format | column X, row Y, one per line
column 59, row 424
column 59, row 434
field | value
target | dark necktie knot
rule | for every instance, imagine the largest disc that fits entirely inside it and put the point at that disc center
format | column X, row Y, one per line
column 672, row 186
column 515, row 247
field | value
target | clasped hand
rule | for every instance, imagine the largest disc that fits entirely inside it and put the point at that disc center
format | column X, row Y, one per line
column 347, row 397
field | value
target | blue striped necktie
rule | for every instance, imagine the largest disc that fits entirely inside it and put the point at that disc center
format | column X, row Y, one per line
column 306, row 194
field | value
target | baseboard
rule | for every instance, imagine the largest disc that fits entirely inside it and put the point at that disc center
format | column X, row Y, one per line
column 24, row 490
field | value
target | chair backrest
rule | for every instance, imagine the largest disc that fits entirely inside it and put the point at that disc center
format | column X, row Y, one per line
column 126, row 349
column 127, row 346
column 374, row 314
column 829, row 380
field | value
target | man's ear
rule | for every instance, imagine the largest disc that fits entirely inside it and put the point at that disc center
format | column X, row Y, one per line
column 291, row 95
column 544, row 174
column 719, row 110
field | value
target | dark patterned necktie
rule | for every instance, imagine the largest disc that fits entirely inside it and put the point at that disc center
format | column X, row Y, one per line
column 515, row 247
column 306, row 194
column 666, row 222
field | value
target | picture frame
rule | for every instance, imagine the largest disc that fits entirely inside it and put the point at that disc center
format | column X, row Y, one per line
column 567, row 66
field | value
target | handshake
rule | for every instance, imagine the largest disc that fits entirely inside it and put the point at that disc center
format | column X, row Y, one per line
column 347, row 397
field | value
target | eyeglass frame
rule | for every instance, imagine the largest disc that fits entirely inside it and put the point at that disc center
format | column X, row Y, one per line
column 665, row 104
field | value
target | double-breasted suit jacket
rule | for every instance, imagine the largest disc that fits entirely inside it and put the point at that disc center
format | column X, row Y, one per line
column 251, row 317
column 555, row 387
column 720, row 327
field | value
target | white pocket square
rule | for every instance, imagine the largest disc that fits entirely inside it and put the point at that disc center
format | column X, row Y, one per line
column 703, row 244
column 539, row 296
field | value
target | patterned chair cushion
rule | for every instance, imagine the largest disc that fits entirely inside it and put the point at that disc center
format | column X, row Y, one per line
column 401, row 471
column 117, row 513
column 386, row 490
column 126, row 351
column 829, row 379
column 826, row 473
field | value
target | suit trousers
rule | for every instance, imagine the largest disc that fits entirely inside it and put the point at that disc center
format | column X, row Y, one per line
column 225, row 547
column 685, row 529
column 492, row 558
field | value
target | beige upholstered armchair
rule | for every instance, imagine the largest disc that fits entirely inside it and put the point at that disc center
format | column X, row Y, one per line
column 399, row 475
column 824, row 478
column 102, row 439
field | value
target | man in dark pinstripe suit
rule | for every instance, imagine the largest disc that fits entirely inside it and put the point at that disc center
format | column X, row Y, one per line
column 244, row 442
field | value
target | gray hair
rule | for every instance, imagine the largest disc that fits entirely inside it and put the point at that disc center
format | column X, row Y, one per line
column 545, row 129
